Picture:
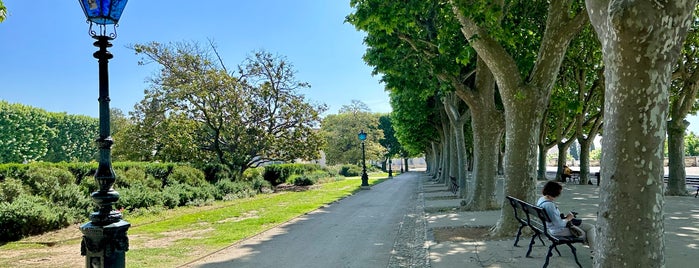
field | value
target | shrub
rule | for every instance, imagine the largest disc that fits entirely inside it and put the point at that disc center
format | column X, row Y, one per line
column 190, row 195
column 88, row 185
column 29, row 215
column 350, row 170
column 130, row 176
column 280, row 173
column 44, row 181
column 304, row 180
column 138, row 196
column 187, row 175
column 214, row 172
column 252, row 174
column 70, row 196
column 10, row 189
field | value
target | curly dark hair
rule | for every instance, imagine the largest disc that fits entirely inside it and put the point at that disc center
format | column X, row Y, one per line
column 552, row 188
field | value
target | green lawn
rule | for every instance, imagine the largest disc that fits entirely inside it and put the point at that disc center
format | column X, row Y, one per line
column 181, row 235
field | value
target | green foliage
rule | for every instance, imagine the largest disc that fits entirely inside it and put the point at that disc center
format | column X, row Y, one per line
column 10, row 189
column 24, row 134
column 186, row 175
column 46, row 181
column 197, row 111
column 252, row 174
column 31, row 134
column 281, row 173
column 215, row 172
column 691, row 144
column 342, row 143
column 139, row 196
column 596, row 154
column 30, row 215
column 350, row 170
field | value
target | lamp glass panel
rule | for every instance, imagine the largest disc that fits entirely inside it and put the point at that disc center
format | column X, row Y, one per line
column 103, row 12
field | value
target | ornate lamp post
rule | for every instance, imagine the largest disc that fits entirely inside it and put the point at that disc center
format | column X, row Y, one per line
column 390, row 171
column 104, row 241
column 365, row 177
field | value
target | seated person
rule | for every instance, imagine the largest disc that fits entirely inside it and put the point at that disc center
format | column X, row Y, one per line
column 567, row 173
column 558, row 227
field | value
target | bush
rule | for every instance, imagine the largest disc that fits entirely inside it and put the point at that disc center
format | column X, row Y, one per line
column 70, row 196
column 233, row 190
column 44, row 181
column 280, row 173
column 252, row 174
column 10, row 189
column 130, row 176
column 350, row 170
column 138, row 196
column 186, row 175
column 29, row 215
column 216, row 172
column 190, row 195
column 304, row 180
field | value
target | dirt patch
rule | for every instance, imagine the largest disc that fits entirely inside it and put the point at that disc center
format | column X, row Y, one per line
column 461, row 234
column 293, row 188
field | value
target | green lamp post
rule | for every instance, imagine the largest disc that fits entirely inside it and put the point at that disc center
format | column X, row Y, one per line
column 390, row 163
column 104, row 241
column 365, row 177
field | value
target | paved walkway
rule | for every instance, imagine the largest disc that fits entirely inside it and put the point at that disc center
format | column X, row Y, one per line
column 393, row 225
column 681, row 228
column 372, row 228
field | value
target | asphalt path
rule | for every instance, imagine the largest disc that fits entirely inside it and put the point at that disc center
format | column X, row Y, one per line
column 358, row 231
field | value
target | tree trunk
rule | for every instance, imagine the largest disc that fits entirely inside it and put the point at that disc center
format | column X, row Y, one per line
column 487, row 130
column 584, row 155
column 641, row 41
column 541, row 175
column 676, row 182
column 458, row 119
column 522, row 124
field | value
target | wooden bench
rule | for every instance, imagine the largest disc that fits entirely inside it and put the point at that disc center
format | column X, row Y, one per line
column 453, row 185
column 537, row 219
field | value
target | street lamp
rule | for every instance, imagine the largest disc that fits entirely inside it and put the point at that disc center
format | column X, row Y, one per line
column 104, row 241
column 390, row 171
column 365, row 177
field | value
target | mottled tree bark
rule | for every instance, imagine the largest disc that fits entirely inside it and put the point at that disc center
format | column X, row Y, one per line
column 641, row 41
column 677, row 177
column 524, row 100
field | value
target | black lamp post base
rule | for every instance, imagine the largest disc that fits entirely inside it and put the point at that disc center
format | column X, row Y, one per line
column 105, row 246
column 365, row 181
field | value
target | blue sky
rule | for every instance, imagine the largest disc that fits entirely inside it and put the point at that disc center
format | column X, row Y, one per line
column 46, row 52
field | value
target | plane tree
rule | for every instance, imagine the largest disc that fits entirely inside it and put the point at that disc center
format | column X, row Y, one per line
column 641, row 43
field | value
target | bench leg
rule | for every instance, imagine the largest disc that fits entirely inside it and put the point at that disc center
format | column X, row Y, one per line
column 696, row 194
column 531, row 243
column 548, row 255
column 575, row 255
column 556, row 248
column 519, row 232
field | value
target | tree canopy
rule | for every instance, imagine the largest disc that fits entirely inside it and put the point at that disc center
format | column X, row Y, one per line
column 240, row 120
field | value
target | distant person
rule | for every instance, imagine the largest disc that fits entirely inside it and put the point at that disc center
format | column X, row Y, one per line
column 567, row 173
column 559, row 221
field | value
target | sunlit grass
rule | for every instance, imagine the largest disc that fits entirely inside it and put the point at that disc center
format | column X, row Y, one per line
column 170, row 238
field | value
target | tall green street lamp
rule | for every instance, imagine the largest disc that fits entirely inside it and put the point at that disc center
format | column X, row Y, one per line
column 104, row 241
column 365, row 177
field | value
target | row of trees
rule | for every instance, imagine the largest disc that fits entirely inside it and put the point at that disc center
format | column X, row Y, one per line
column 460, row 73
column 31, row 134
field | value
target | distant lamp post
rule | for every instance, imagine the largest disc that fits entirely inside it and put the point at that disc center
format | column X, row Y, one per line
column 390, row 171
column 365, row 177
column 104, row 241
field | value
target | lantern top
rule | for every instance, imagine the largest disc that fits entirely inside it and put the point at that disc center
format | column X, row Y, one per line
column 362, row 135
column 103, row 12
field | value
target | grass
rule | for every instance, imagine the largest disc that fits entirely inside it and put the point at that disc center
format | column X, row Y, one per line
column 178, row 236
